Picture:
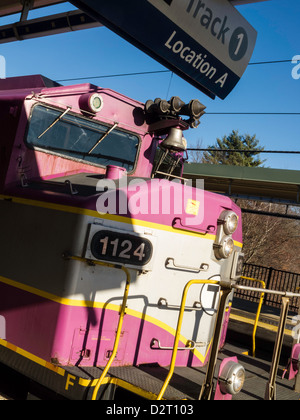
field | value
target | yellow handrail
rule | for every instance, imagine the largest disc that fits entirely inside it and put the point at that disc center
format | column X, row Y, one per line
column 121, row 317
column 178, row 330
column 257, row 313
column 118, row 335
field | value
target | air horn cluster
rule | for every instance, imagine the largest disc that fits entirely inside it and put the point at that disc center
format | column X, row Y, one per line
column 175, row 108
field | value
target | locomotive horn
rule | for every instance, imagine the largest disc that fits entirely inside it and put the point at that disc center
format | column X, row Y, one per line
column 159, row 106
column 176, row 104
column 194, row 109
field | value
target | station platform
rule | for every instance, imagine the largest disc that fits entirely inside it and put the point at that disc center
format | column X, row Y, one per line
column 146, row 381
column 241, row 324
column 186, row 383
column 142, row 383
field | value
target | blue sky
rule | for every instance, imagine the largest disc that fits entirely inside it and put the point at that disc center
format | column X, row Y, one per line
column 263, row 88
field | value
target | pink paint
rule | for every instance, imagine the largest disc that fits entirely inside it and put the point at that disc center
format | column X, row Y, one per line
column 148, row 204
column 128, row 113
column 225, row 328
column 294, row 362
column 41, row 165
column 115, row 172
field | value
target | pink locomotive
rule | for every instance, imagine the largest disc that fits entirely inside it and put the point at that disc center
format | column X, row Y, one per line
column 101, row 233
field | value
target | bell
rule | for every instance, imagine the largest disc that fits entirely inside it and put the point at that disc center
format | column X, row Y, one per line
column 175, row 140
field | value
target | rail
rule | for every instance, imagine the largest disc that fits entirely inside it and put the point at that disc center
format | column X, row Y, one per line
column 226, row 289
column 275, row 279
column 289, row 295
column 121, row 317
column 118, row 335
column 257, row 313
column 208, row 386
column 270, row 393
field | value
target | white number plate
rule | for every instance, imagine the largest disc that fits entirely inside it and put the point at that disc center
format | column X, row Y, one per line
column 119, row 247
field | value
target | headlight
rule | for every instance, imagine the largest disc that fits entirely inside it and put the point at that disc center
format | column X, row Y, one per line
column 230, row 220
column 95, row 102
column 232, row 378
column 91, row 103
column 225, row 248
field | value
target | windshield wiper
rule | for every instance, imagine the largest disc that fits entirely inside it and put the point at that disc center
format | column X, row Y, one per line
column 103, row 137
column 55, row 122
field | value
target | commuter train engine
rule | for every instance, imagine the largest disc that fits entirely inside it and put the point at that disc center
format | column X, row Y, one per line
column 110, row 259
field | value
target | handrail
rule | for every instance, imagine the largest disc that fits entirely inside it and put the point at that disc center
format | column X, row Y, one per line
column 257, row 313
column 118, row 335
column 270, row 393
column 206, row 391
column 207, row 387
column 225, row 290
column 266, row 291
column 178, row 330
column 121, row 317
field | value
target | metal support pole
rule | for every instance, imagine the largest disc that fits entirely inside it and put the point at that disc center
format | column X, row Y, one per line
column 27, row 6
column 178, row 330
column 271, row 385
column 208, row 386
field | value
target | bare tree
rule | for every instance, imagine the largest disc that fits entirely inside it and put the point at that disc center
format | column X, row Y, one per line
column 196, row 156
column 271, row 241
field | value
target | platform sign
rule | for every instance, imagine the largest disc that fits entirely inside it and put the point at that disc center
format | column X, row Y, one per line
column 206, row 42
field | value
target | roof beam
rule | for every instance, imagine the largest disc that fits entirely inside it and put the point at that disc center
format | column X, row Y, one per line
column 11, row 7
column 50, row 25
column 27, row 6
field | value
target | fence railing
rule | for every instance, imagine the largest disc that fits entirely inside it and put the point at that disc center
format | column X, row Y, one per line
column 275, row 280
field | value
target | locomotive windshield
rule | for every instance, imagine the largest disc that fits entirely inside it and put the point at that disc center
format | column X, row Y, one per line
column 66, row 134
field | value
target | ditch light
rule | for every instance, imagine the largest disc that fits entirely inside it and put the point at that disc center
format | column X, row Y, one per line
column 231, row 379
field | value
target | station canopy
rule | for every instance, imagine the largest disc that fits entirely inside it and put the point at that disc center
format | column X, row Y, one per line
column 9, row 7
column 214, row 51
column 268, row 185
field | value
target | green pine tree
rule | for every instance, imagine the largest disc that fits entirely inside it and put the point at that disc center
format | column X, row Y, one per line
column 235, row 141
